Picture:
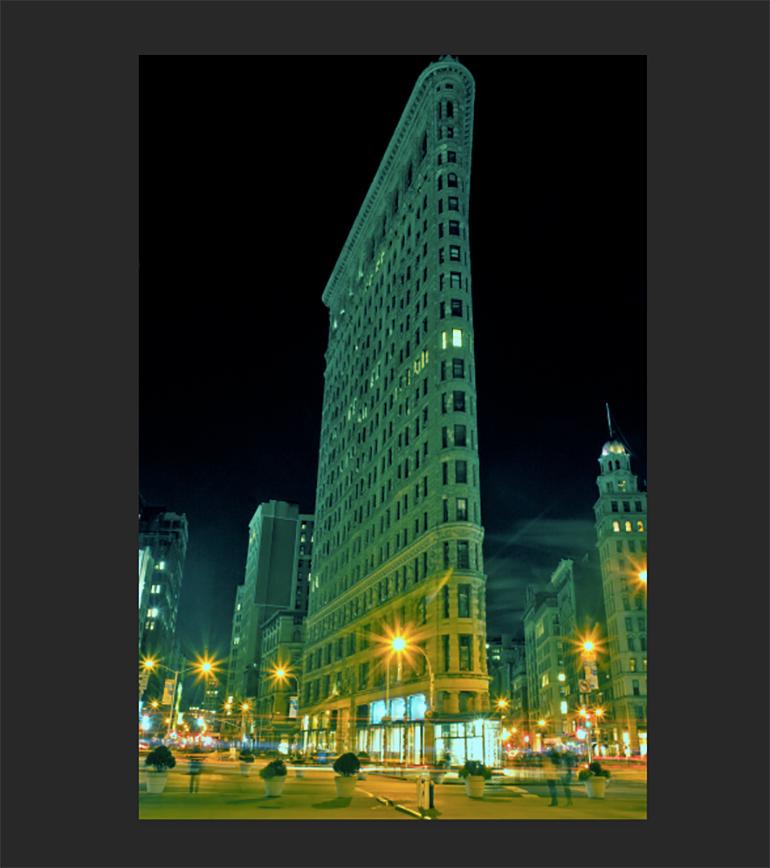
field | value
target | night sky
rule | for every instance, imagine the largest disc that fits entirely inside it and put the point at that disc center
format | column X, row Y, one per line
column 252, row 172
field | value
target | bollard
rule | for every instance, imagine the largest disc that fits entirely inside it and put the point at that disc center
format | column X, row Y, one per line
column 425, row 793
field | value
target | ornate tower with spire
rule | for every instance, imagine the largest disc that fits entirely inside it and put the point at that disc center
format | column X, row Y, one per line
column 621, row 540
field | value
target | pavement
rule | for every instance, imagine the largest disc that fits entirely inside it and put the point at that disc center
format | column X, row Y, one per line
column 224, row 793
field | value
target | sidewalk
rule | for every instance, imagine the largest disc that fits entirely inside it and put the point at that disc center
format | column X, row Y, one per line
column 230, row 796
column 225, row 794
column 509, row 802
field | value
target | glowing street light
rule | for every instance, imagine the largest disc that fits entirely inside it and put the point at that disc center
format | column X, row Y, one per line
column 643, row 576
column 588, row 646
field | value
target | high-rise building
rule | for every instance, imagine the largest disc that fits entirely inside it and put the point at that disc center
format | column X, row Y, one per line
column 398, row 549
column 278, row 565
column 163, row 537
column 621, row 540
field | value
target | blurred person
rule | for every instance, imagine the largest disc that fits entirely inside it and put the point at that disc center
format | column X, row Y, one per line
column 552, row 768
column 568, row 762
column 195, row 769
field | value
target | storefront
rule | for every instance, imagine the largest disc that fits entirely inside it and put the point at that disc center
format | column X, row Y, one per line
column 399, row 733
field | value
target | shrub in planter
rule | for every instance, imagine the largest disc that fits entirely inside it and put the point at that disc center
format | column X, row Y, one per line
column 247, row 760
column 475, row 774
column 160, row 760
column 347, row 766
column 595, row 779
column 274, row 776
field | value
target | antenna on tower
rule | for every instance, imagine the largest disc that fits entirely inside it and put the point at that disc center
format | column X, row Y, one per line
column 609, row 420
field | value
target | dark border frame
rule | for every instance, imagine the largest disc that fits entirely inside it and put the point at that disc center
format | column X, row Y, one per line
column 70, row 454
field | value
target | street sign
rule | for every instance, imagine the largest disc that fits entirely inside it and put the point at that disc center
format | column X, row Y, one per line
column 168, row 691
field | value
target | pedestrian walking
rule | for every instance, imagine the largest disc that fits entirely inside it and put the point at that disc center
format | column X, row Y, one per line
column 553, row 765
column 568, row 764
column 195, row 769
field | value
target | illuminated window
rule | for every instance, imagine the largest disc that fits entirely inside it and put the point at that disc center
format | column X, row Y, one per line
column 457, row 341
column 627, row 526
column 632, row 664
column 640, row 526
column 152, row 613
column 616, row 527
column 454, row 253
column 563, row 707
column 545, row 680
column 462, row 509
column 444, row 340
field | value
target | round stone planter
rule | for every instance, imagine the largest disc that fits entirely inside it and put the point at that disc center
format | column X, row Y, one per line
column 345, row 785
column 474, row 786
column 156, row 781
column 596, row 787
column 246, row 768
column 274, row 786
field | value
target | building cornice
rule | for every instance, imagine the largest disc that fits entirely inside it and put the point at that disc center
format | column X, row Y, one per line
column 380, row 183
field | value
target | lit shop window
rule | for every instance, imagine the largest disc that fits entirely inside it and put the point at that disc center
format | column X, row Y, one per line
column 152, row 613
column 616, row 527
column 457, row 337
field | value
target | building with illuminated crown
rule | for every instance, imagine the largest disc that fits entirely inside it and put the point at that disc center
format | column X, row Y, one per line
column 398, row 548
column 621, row 540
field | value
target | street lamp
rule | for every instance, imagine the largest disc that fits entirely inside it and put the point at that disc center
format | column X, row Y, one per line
column 244, row 708
column 281, row 675
column 399, row 645
column 203, row 666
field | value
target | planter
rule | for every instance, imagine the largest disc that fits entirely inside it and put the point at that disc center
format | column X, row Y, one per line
column 245, row 767
column 595, row 787
column 474, row 786
column 156, row 782
column 345, row 785
column 274, row 786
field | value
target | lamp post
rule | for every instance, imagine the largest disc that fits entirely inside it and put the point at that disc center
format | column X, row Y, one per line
column 204, row 667
column 282, row 675
column 399, row 645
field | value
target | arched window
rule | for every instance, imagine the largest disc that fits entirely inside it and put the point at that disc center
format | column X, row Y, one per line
column 616, row 527
column 627, row 526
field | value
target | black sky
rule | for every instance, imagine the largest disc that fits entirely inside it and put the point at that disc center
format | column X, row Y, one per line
column 252, row 170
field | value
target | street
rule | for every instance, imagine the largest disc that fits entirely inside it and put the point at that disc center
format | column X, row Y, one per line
column 224, row 793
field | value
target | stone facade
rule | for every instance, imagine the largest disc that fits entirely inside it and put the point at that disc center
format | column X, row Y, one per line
column 398, row 533
column 621, row 540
